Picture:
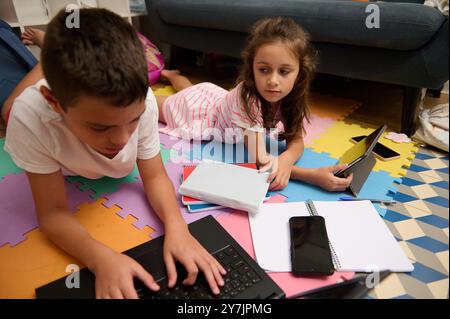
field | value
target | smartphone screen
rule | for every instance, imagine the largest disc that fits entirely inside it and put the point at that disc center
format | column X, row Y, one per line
column 383, row 152
column 310, row 251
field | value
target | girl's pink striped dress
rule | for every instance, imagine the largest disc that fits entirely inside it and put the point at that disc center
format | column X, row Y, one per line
column 206, row 111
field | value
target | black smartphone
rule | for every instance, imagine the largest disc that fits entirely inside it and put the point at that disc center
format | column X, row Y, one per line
column 381, row 151
column 310, row 250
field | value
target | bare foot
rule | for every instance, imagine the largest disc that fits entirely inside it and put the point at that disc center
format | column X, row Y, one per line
column 33, row 36
column 167, row 74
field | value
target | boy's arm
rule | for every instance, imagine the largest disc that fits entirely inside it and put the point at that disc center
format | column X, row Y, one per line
column 114, row 272
column 179, row 244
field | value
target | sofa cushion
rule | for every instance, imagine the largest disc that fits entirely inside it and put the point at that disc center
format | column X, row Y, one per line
column 403, row 26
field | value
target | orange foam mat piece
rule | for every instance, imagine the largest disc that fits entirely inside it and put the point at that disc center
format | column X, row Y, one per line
column 38, row 261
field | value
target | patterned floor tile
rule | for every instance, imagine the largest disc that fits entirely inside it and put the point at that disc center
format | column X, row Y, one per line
column 411, row 182
column 409, row 229
column 394, row 216
column 438, row 200
column 414, row 287
column 429, row 244
column 426, row 274
column 391, row 287
column 433, row 232
column 407, row 251
column 439, row 289
column 443, row 257
column 429, row 207
column 441, row 184
column 435, row 221
column 436, row 163
column 427, row 258
column 424, row 191
column 430, row 176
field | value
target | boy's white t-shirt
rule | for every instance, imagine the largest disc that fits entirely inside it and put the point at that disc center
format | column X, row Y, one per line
column 39, row 141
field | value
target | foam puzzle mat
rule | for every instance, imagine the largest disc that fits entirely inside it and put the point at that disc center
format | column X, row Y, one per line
column 37, row 261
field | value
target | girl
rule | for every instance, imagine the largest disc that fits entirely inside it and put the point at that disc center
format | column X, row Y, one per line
column 271, row 94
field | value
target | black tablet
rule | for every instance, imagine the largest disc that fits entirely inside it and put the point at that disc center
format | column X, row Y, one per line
column 359, row 151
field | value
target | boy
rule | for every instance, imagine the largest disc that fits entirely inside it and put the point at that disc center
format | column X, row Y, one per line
column 96, row 117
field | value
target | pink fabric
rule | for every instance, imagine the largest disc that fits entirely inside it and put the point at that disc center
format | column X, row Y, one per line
column 155, row 60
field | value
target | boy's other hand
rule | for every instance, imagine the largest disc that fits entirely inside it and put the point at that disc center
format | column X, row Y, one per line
column 180, row 245
column 324, row 177
column 114, row 275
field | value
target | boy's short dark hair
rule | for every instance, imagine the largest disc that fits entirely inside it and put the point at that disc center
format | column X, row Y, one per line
column 102, row 58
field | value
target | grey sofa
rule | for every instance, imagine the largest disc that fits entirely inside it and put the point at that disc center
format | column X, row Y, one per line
column 411, row 47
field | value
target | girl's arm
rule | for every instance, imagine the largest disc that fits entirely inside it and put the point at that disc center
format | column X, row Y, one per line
column 293, row 150
column 256, row 146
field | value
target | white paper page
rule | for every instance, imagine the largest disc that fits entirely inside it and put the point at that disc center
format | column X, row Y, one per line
column 360, row 238
column 270, row 234
column 227, row 185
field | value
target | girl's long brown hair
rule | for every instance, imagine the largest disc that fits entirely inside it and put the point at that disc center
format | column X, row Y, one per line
column 294, row 108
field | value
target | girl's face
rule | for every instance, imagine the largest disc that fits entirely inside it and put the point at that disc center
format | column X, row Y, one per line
column 275, row 68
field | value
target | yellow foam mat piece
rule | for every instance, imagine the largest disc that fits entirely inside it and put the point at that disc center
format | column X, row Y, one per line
column 336, row 140
column 332, row 107
column 37, row 261
column 164, row 91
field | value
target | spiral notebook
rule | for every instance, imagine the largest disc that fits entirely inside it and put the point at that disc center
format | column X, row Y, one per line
column 359, row 239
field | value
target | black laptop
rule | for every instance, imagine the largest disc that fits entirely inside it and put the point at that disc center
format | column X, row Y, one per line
column 244, row 279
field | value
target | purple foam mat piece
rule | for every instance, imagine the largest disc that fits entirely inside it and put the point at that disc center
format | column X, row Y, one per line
column 131, row 198
column 17, row 211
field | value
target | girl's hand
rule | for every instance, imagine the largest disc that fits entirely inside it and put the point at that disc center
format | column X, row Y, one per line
column 269, row 163
column 114, row 275
column 324, row 177
column 279, row 178
column 182, row 246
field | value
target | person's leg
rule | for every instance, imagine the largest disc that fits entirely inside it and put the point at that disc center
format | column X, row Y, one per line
column 33, row 36
column 178, row 81
column 160, row 101
column 31, row 78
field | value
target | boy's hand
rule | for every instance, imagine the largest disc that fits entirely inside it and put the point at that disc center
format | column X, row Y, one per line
column 280, row 175
column 180, row 245
column 114, row 275
column 324, row 177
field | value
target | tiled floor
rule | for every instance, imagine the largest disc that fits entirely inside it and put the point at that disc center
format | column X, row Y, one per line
column 420, row 222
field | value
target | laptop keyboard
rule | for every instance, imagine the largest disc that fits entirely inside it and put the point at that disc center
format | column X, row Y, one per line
column 240, row 277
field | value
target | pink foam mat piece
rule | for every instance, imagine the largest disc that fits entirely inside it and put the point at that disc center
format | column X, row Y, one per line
column 131, row 198
column 316, row 127
column 238, row 225
column 17, row 210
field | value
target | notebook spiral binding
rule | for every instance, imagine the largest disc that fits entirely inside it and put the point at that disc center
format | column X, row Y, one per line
column 313, row 212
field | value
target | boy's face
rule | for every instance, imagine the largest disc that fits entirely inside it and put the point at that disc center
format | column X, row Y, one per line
column 102, row 126
column 276, row 69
